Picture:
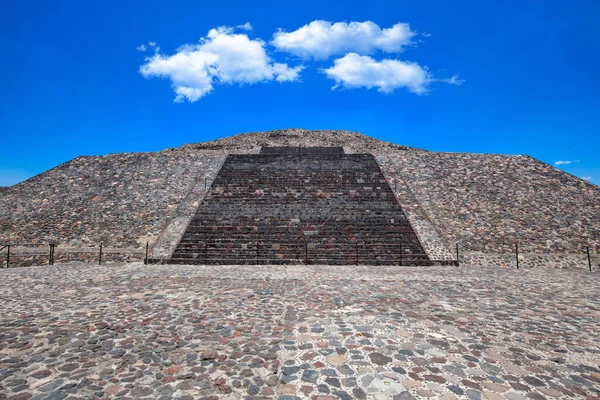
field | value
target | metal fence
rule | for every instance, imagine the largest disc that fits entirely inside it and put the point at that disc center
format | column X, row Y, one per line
column 20, row 254
column 224, row 251
column 229, row 251
column 518, row 254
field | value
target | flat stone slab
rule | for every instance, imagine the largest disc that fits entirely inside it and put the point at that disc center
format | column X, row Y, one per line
column 298, row 332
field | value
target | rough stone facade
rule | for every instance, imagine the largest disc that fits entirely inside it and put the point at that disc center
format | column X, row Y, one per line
column 484, row 202
column 122, row 200
column 170, row 236
column 431, row 240
column 490, row 202
column 352, row 142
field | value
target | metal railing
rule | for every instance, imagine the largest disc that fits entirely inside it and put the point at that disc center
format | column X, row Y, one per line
column 262, row 252
column 11, row 251
column 304, row 252
column 582, row 250
column 13, row 254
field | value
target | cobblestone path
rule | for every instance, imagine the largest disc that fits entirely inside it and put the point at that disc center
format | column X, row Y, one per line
column 298, row 332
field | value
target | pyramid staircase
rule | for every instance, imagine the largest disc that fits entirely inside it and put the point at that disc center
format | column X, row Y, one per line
column 309, row 205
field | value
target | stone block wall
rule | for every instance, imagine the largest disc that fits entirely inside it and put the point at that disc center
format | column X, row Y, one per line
column 488, row 202
column 122, row 200
column 317, row 205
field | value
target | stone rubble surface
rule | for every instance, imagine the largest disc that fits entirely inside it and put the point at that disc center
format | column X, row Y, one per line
column 430, row 238
column 82, row 331
column 352, row 142
column 122, row 200
column 484, row 202
column 489, row 202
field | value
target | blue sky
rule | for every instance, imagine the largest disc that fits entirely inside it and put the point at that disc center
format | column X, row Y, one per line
column 73, row 81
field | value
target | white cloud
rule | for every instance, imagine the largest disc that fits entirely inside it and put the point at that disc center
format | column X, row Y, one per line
column 141, row 47
column 322, row 39
column 586, row 178
column 566, row 162
column 454, row 80
column 221, row 57
column 245, row 27
column 355, row 71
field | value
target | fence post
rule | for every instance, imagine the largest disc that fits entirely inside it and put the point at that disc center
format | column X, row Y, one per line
column 146, row 257
column 357, row 253
column 589, row 258
column 100, row 256
column 8, row 256
column 306, row 253
column 457, row 256
column 400, row 262
column 517, row 253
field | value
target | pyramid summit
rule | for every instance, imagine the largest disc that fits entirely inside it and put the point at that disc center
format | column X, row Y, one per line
column 296, row 137
column 304, row 196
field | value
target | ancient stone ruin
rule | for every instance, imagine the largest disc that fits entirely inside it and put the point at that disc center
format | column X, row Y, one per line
column 303, row 197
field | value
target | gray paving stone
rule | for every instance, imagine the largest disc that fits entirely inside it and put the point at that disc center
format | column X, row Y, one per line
column 203, row 331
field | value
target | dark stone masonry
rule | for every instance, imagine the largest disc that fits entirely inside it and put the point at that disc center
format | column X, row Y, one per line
column 485, row 203
column 300, row 205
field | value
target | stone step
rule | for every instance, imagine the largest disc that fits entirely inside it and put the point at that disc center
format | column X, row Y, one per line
column 286, row 200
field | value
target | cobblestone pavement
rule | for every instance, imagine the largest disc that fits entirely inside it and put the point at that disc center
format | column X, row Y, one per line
column 298, row 332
